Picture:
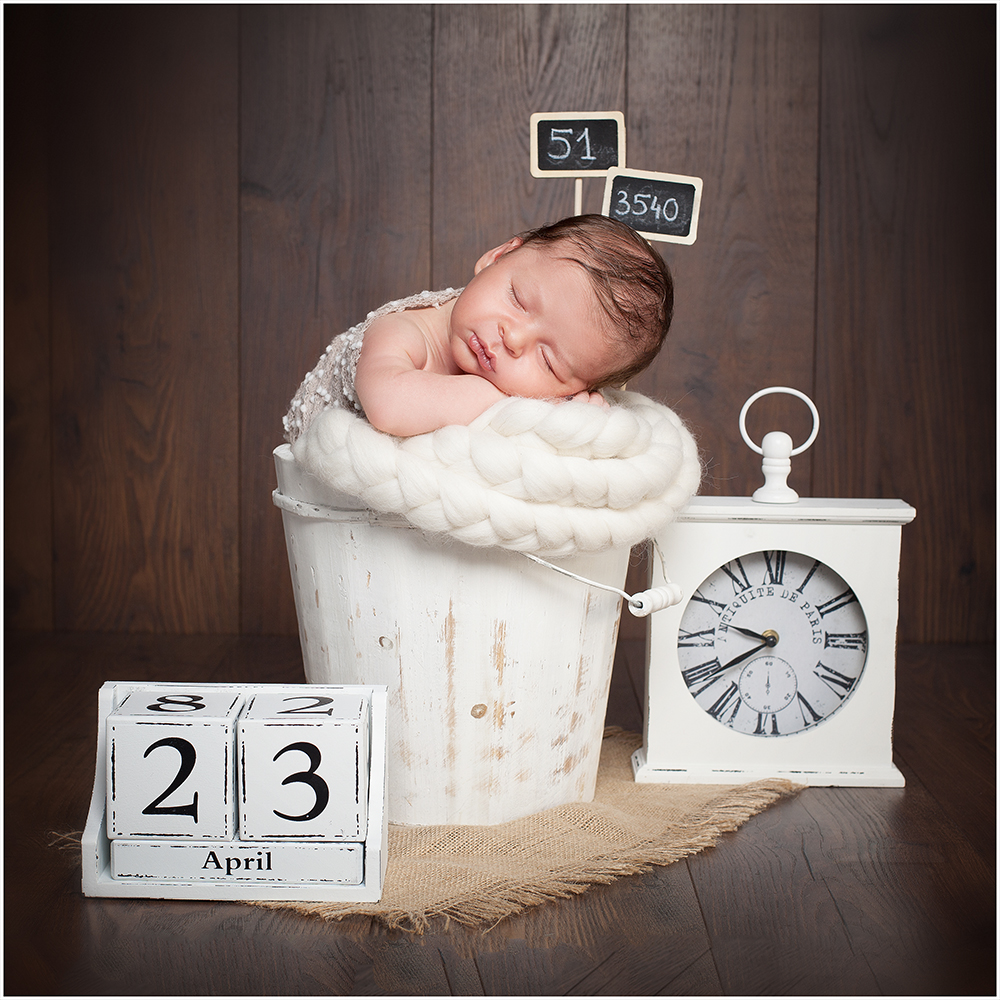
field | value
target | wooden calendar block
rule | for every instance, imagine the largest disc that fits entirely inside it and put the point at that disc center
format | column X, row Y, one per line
column 170, row 765
column 303, row 765
column 313, row 769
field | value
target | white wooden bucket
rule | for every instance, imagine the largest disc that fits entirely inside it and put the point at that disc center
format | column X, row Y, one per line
column 498, row 669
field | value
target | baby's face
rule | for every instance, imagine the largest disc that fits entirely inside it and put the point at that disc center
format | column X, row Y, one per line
column 531, row 324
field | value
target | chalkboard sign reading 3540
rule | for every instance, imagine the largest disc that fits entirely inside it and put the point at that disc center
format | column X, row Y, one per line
column 576, row 144
column 660, row 206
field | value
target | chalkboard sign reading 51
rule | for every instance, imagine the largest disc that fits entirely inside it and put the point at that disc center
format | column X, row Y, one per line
column 660, row 206
column 576, row 144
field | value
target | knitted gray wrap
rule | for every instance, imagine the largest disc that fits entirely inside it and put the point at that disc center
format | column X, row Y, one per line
column 331, row 382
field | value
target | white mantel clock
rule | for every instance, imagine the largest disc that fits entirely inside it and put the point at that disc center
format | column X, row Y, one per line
column 779, row 660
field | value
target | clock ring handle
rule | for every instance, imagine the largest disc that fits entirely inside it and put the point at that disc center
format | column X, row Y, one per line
column 767, row 392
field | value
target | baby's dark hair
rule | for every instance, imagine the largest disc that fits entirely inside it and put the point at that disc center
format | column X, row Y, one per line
column 629, row 277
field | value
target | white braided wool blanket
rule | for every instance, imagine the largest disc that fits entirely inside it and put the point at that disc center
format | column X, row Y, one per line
column 553, row 479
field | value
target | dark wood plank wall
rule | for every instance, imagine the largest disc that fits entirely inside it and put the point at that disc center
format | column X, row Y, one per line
column 335, row 176
column 142, row 400
column 197, row 198
column 905, row 307
column 27, row 345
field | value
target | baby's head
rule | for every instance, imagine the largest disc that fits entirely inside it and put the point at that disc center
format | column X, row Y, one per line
column 629, row 278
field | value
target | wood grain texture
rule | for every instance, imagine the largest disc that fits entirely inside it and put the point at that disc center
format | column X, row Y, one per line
column 832, row 892
column 335, row 220
column 847, row 887
column 730, row 94
column 906, row 331
column 962, row 741
column 27, row 344
column 168, row 285
column 626, row 698
column 875, row 869
column 144, row 331
column 494, row 66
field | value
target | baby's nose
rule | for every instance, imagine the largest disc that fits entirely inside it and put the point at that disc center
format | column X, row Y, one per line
column 513, row 338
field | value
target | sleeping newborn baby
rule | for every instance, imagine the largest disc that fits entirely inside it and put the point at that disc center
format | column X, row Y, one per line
column 556, row 313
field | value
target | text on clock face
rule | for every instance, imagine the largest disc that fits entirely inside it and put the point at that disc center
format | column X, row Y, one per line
column 772, row 643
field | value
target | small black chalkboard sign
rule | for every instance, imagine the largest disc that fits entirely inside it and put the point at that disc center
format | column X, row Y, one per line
column 660, row 206
column 576, row 144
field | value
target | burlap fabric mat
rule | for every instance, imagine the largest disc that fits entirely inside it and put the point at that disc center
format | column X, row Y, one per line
column 480, row 874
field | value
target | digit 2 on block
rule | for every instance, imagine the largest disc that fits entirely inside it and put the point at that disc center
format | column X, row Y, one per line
column 660, row 206
column 576, row 144
column 161, row 744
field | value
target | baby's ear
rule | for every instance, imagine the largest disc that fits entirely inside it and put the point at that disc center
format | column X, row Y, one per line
column 492, row 256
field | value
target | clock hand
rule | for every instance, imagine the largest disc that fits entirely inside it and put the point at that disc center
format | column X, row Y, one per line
column 746, row 631
column 743, row 656
column 770, row 640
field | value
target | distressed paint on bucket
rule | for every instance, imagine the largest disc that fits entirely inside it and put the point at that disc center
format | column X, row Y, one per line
column 498, row 669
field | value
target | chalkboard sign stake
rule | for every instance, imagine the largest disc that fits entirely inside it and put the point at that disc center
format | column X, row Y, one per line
column 576, row 144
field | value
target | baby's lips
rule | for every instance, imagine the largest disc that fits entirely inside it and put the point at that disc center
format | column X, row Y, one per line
column 485, row 360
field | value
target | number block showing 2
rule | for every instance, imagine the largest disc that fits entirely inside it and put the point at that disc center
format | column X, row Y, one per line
column 171, row 765
column 303, row 766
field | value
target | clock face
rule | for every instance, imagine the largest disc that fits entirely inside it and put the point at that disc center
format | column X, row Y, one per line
column 772, row 643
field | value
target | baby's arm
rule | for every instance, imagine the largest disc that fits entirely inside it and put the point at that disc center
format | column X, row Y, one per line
column 401, row 393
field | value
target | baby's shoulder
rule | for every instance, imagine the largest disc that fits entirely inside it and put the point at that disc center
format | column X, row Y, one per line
column 429, row 326
column 415, row 337
column 400, row 327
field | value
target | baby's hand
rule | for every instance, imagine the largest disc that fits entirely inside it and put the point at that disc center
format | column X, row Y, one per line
column 586, row 396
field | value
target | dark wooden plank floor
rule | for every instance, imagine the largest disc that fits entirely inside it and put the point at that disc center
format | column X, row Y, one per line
column 835, row 891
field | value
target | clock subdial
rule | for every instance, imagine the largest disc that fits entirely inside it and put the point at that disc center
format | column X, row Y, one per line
column 772, row 643
column 768, row 684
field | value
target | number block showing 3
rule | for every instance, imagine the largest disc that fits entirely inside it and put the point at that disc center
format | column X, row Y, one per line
column 303, row 766
column 171, row 765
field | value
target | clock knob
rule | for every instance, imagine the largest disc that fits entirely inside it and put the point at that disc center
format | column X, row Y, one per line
column 777, row 450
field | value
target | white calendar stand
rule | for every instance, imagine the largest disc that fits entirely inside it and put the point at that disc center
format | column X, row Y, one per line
column 97, row 861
